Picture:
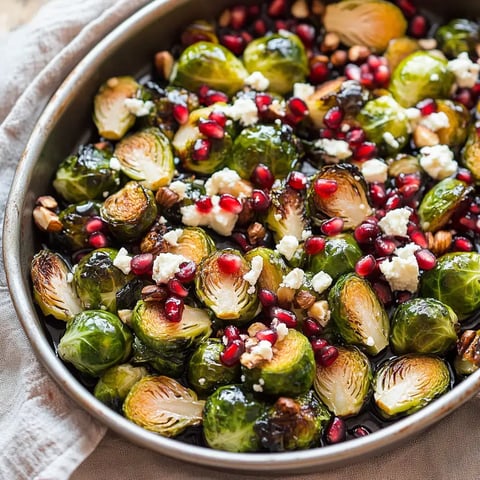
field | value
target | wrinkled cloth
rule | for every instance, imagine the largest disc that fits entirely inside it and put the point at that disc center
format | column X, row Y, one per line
column 46, row 436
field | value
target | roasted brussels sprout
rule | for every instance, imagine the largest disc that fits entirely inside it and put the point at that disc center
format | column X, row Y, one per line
column 404, row 164
column 455, row 281
column 193, row 243
column 129, row 212
column 229, row 419
column 220, row 285
column 206, row 63
column 88, row 175
column 293, row 423
column 421, row 75
column 53, row 289
column 404, row 385
column 280, row 57
column 116, row 382
column 398, row 49
column 467, row 359
column 363, row 322
column 470, row 157
column 458, row 121
column 274, row 267
column 423, row 325
column 94, row 341
column 457, row 36
column 344, row 386
column 162, row 405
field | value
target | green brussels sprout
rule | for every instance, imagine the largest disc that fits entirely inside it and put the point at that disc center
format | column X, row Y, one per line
column 111, row 115
column 98, row 280
column 457, row 36
column 116, row 382
column 229, row 419
column 146, row 156
column 467, row 359
column 364, row 321
column 441, row 202
column 423, row 325
column 293, row 423
column 276, row 146
column 345, row 385
column 220, row 285
column 404, row 385
column 398, row 49
column 205, row 370
column 162, row 405
column 274, row 267
column 206, row 63
column 199, row 29
column 339, row 256
column 86, row 175
column 455, row 281
column 52, row 289
column 421, row 75
column 290, row 371
column 94, row 341
column 458, row 121
column 470, row 156
column 130, row 211
column 385, row 123
column 194, row 243
column 349, row 201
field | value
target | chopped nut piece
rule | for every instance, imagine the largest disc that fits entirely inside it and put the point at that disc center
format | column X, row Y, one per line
column 154, row 293
column 166, row 198
column 304, row 299
column 285, row 296
column 330, row 43
column 319, row 59
column 357, row 53
column 46, row 220
column 439, row 242
column 339, row 58
column 300, row 9
column 47, row 201
column 318, row 7
column 320, row 311
column 256, row 231
column 224, row 19
column 424, row 137
column 256, row 327
column 427, row 43
column 164, row 63
column 469, row 347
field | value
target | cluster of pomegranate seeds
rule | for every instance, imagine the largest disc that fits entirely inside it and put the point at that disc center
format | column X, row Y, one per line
column 373, row 73
column 325, row 354
column 95, row 228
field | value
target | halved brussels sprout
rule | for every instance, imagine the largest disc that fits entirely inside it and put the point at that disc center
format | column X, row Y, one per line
column 206, row 372
column 358, row 314
column 441, row 202
column 457, row 36
column 206, row 63
column 162, row 405
column 455, row 281
column 344, row 386
column 423, row 325
column 458, row 121
column 146, row 156
column 349, row 201
column 111, row 115
column 293, row 423
column 88, row 175
column 290, row 371
column 404, row 385
column 130, row 211
column 280, row 57
column 467, row 359
column 421, row 75
column 194, row 243
column 274, row 267
column 470, row 157
column 229, row 419
column 220, row 285
column 53, row 289
column 98, row 280
column 94, row 341
column 116, row 382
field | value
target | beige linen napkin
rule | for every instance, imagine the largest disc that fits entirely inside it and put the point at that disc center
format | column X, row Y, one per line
column 43, row 434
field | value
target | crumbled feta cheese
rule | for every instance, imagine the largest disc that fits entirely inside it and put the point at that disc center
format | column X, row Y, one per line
column 263, row 349
column 254, row 273
column 244, row 110
column 395, row 222
column 172, row 236
column 321, row 281
column 220, row 180
column 438, row 161
column 401, row 271
column 257, row 81
column 242, row 378
column 122, row 261
column 179, row 187
column 306, row 234
column 435, row 121
column 370, row 341
column 165, row 266
column 69, row 277
column 115, row 164
column 138, row 107
column 434, row 77
column 105, row 194
column 465, row 71
column 375, row 170
column 201, row 381
column 257, row 388
column 162, row 220
column 281, row 329
column 287, row 246
column 293, row 279
column 338, row 149
column 413, row 113
column 277, row 216
column 390, row 140
column 303, row 90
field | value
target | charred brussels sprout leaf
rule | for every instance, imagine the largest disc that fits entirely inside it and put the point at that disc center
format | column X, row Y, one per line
column 206, row 63
column 471, row 153
column 344, row 386
column 229, row 419
column 129, row 212
column 94, row 341
column 194, row 243
column 162, row 405
column 459, row 35
column 405, row 384
column 52, row 289
column 279, row 57
column 274, row 267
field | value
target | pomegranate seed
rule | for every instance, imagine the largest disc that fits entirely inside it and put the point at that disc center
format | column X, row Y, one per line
column 230, row 203
column 365, row 265
column 267, row 298
column 277, row 8
column 174, row 309
column 229, row 263
column 98, row 240
column 462, row 244
column 407, row 7
column 203, row 91
column 232, row 333
column 201, row 149
column 180, row 113
column 366, row 232
column 262, row 177
column 367, row 80
column 384, row 246
column 218, row 117
column 378, row 194
column 232, row 353
column 306, row 33
column 215, row 97
column 260, row 200
column 94, row 224
column 474, row 208
column 382, row 75
column 365, row 68
column 242, row 241
column 269, row 335
column 298, row 107
column 373, row 62
column 176, row 288
column 314, row 245
column 408, row 191
column 235, row 43
column 404, row 180
column 418, row 238
column 360, row 431
column 186, row 272
column 263, row 101
column 383, row 291
column 353, row 72
column 325, row 187
column 418, row 26
column 285, row 316
column 467, row 222
column 238, row 16
column 281, row 25
column 311, row 328
column 204, row 204
column 332, row 226
column 365, row 151
column 465, row 176
column 254, row 10
column 297, row 180
column 426, row 259
column 427, row 106
column 336, row 431
column 318, row 344
column 327, row 356
column 393, row 202
column 402, row 297
column 260, row 27
column 319, row 72
column 211, row 129
column 333, row 118
column 355, row 136
column 326, row 133
column 141, row 264
column 465, row 97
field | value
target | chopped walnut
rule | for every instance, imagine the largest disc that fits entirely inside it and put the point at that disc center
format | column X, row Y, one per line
column 164, row 63
column 439, row 242
column 320, row 311
column 255, row 232
column 154, row 293
column 46, row 220
column 304, row 299
column 166, row 198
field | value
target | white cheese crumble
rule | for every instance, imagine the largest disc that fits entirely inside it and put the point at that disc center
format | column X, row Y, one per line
column 306, row 234
column 122, row 261
column 257, row 81
column 115, row 164
column 257, row 388
column 395, row 222
column 401, row 271
column 293, row 279
column 220, row 180
column 321, row 281
column 243, row 110
column 303, row 90
column 254, row 273
column 69, row 277
column 179, row 187
column 435, row 121
column 280, row 328
column 465, row 71
column 338, row 149
column 202, row 381
column 172, row 236
column 390, row 140
column 263, row 349
column 374, row 170
column 165, row 266
column 138, row 107
column 438, row 161
column 287, row 246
